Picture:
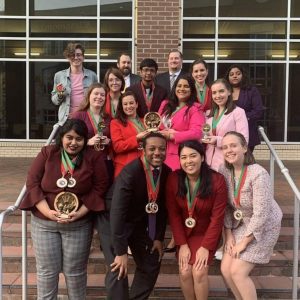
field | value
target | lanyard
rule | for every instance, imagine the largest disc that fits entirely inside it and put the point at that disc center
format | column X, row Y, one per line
column 190, row 198
column 96, row 126
column 238, row 187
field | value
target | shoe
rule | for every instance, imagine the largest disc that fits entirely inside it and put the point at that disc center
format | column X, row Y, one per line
column 169, row 250
column 129, row 253
column 219, row 255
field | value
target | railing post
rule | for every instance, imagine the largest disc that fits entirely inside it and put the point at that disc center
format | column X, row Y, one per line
column 296, row 246
column 24, row 255
column 1, row 262
column 272, row 171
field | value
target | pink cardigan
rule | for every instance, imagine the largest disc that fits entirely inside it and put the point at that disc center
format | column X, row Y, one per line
column 188, row 127
column 234, row 121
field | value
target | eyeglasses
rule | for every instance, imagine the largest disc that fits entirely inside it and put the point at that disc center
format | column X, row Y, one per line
column 148, row 70
column 114, row 80
column 76, row 55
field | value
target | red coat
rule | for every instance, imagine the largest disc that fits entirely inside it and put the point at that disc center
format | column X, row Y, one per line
column 207, row 100
column 208, row 213
column 124, row 144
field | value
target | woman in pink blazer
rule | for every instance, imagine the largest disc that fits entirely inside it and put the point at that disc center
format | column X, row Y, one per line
column 126, row 131
column 224, row 116
column 182, row 118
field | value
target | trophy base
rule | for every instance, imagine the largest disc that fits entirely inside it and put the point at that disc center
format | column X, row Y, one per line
column 64, row 216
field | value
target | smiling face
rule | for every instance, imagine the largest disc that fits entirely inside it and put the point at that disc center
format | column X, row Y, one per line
column 129, row 106
column 233, row 150
column 190, row 161
column 220, row 94
column 235, row 76
column 183, row 90
column 72, row 143
column 97, row 98
column 174, row 62
column 199, row 73
column 125, row 65
column 114, row 83
column 155, row 151
column 76, row 60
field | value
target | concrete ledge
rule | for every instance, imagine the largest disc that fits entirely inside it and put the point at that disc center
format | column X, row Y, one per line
column 31, row 149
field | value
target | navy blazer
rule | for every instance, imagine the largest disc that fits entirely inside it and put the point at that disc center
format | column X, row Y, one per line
column 250, row 100
column 159, row 95
column 127, row 213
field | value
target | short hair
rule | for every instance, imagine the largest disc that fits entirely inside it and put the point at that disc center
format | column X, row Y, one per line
column 69, row 52
column 123, row 53
column 115, row 71
column 148, row 62
column 152, row 134
column 175, row 51
column 249, row 157
column 77, row 125
column 230, row 105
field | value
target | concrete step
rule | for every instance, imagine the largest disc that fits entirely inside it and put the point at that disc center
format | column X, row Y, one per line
column 279, row 265
column 167, row 287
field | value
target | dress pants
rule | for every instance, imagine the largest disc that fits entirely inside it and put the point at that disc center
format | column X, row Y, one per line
column 61, row 248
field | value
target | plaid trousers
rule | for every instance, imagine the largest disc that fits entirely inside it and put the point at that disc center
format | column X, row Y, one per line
column 61, row 248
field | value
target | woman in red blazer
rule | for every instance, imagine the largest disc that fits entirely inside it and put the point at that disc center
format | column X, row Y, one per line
column 196, row 201
column 199, row 71
column 127, row 132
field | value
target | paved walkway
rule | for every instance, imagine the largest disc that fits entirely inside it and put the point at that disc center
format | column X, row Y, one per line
column 13, row 173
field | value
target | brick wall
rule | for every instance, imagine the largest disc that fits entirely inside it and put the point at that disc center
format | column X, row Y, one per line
column 158, row 30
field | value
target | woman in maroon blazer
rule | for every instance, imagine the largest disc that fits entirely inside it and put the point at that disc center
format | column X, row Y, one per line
column 196, row 201
column 127, row 132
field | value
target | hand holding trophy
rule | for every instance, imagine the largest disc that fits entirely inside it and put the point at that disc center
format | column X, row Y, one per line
column 65, row 203
column 60, row 89
column 100, row 145
column 167, row 122
column 205, row 130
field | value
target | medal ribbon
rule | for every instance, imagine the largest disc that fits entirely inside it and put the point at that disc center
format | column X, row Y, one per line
column 67, row 165
column 152, row 188
column 190, row 198
column 216, row 119
column 93, row 121
column 112, row 108
column 201, row 94
column 137, row 124
column 148, row 98
column 238, row 187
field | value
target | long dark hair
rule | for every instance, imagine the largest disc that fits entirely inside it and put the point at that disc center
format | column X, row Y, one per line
column 230, row 105
column 204, row 63
column 249, row 157
column 120, row 115
column 205, row 188
column 173, row 100
column 245, row 82
column 72, row 124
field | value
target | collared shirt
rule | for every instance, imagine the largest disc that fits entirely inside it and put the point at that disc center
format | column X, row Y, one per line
column 127, row 81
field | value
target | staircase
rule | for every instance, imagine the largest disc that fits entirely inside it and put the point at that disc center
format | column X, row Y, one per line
column 273, row 281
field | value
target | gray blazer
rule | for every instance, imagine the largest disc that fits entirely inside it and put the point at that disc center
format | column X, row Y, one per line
column 63, row 77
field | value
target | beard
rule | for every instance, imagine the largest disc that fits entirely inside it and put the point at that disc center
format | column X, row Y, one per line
column 126, row 71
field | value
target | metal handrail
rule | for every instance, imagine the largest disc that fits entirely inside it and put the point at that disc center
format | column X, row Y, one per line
column 285, row 172
column 9, row 211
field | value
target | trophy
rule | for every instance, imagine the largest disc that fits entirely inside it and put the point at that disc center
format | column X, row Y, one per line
column 205, row 130
column 60, row 90
column 65, row 203
column 152, row 121
column 100, row 146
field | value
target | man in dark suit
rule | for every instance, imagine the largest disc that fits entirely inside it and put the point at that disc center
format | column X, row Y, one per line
column 167, row 79
column 124, row 65
column 135, row 193
column 149, row 94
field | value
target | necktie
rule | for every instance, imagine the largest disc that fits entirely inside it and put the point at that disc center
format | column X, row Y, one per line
column 152, row 217
column 172, row 80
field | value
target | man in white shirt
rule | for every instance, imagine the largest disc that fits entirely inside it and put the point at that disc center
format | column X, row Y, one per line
column 124, row 65
column 167, row 79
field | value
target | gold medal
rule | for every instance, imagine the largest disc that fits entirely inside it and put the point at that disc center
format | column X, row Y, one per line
column 62, row 182
column 65, row 203
column 71, row 182
column 190, row 222
column 238, row 215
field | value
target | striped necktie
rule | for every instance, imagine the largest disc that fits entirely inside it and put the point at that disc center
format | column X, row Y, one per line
column 172, row 80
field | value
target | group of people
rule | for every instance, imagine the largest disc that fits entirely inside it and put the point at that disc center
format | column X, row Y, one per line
column 196, row 170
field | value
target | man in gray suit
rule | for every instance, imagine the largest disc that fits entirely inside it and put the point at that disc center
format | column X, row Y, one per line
column 167, row 79
column 124, row 65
